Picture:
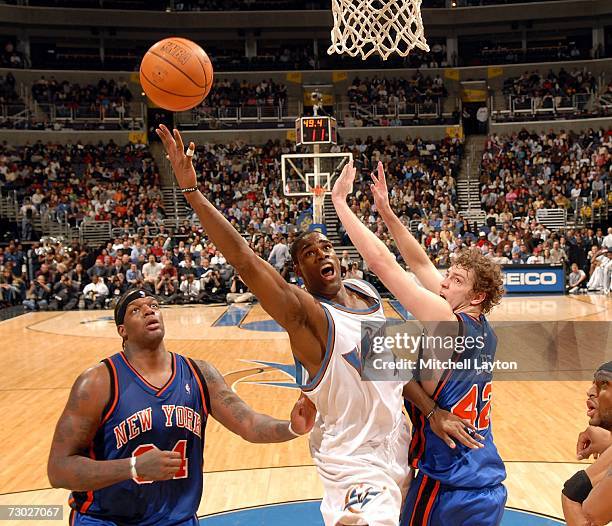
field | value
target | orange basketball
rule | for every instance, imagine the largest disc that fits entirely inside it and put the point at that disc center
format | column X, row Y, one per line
column 176, row 74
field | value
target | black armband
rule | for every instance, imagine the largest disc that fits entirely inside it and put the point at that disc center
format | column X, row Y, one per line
column 578, row 487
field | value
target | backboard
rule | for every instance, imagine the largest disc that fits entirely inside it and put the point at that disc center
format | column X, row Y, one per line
column 302, row 172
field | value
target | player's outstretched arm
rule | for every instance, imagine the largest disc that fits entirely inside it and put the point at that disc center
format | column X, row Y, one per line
column 293, row 308
column 236, row 415
column 423, row 304
column 413, row 253
column 70, row 465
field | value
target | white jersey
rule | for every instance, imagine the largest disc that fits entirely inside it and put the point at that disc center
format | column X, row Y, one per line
column 360, row 438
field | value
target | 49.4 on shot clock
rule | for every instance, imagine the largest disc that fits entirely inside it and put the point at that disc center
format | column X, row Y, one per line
column 315, row 130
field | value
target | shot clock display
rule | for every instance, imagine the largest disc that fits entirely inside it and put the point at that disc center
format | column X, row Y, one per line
column 315, row 130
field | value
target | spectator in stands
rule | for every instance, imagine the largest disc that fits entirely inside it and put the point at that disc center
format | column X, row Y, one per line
column 354, row 272
column 557, row 255
column 536, row 258
column 279, row 256
column 187, row 267
column 134, row 276
column 10, row 293
column 150, row 272
column 239, row 292
column 98, row 269
column 117, row 285
column 601, row 270
column 27, row 211
column 168, row 272
column 37, row 296
column 576, row 279
column 166, row 289
column 191, row 290
column 607, row 241
column 95, row 293
column 210, row 278
column 11, row 58
column 65, row 294
column 79, row 277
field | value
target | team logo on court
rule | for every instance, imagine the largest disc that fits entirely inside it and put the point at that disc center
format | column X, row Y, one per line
column 359, row 496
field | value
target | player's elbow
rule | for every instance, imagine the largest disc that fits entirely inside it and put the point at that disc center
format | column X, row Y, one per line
column 55, row 475
column 596, row 515
column 249, row 434
column 380, row 263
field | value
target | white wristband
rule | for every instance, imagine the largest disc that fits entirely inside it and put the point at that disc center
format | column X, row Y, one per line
column 133, row 472
column 293, row 432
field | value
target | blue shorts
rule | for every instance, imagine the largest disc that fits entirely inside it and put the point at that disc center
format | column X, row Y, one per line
column 82, row 519
column 429, row 503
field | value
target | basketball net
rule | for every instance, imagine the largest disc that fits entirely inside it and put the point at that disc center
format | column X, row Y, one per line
column 363, row 27
column 318, row 198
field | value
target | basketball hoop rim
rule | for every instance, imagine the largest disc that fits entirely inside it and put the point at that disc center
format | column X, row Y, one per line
column 318, row 191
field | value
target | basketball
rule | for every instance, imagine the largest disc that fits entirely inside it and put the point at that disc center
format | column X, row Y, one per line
column 176, row 74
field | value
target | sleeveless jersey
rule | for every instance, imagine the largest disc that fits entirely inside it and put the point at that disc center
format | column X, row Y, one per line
column 353, row 416
column 466, row 393
column 138, row 418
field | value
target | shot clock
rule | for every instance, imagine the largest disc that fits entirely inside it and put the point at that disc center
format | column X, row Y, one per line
column 315, row 130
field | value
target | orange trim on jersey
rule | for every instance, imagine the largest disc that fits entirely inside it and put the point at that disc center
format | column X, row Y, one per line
column 115, row 391
column 72, row 517
column 90, row 494
column 415, row 439
column 419, row 495
column 200, row 386
column 169, row 382
column 422, row 445
column 430, row 504
column 418, row 438
column 443, row 382
column 158, row 390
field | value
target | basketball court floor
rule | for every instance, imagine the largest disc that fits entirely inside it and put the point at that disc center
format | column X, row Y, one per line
column 535, row 422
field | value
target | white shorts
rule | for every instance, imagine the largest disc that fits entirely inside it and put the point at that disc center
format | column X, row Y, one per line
column 368, row 489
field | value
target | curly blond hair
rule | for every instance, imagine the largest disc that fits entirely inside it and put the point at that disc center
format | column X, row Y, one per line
column 487, row 276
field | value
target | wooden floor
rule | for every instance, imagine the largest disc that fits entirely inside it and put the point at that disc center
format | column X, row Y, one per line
column 535, row 422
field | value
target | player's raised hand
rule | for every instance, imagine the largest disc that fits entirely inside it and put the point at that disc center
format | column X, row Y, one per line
column 303, row 415
column 449, row 426
column 379, row 189
column 344, row 184
column 181, row 161
column 158, row 465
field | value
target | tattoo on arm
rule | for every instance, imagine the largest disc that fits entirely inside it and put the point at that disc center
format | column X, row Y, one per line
column 236, row 415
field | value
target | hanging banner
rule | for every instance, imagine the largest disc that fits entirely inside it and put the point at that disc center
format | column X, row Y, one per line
column 339, row 76
column 294, row 76
column 452, row 74
column 474, row 95
column 137, row 137
column 493, row 72
column 454, row 131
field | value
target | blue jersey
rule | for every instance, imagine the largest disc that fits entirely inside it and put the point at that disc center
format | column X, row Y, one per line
column 139, row 417
column 467, row 393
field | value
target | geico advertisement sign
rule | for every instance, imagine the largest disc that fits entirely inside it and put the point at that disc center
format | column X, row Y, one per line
column 530, row 278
